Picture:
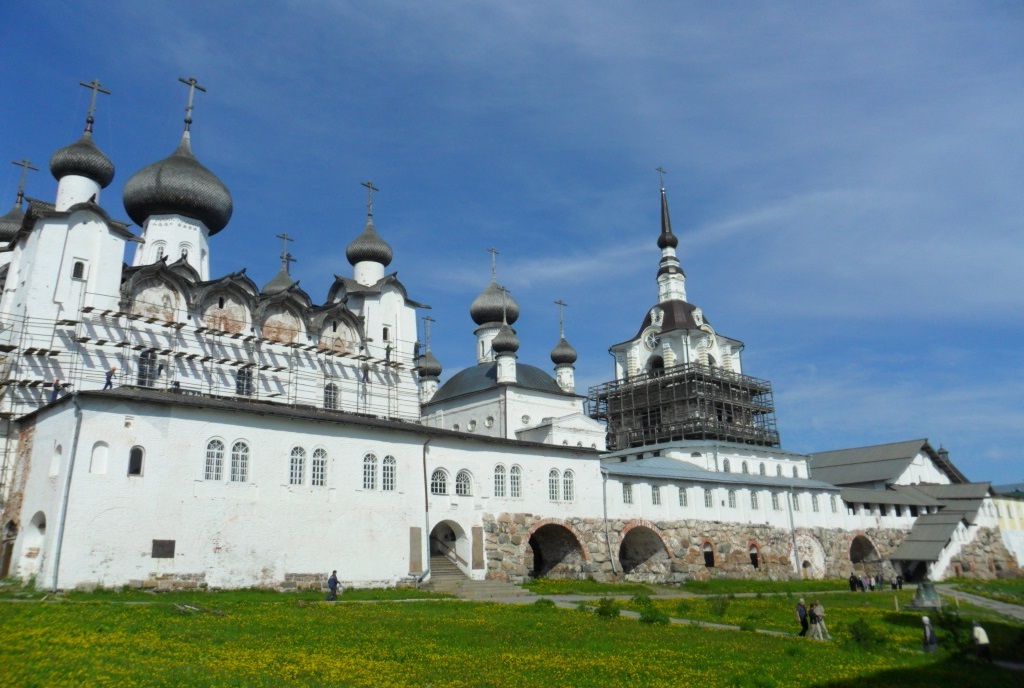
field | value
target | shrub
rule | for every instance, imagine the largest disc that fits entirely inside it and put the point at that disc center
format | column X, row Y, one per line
column 653, row 615
column 544, row 603
column 607, row 609
column 643, row 601
column 683, row 608
column 719, row 605
column 747, row 625
column 581, row 606
column 956, row 633
column 863, row 634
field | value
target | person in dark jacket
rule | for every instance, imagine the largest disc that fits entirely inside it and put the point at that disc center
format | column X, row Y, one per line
column 801, row 616
column 332, row 585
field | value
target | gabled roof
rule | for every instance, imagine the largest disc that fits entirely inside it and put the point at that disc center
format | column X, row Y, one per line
column 895, row 494
column 343, row 286
column 926, row 540
column 878, row 463
column 964, row 500
column 38, row 209
column 664, row 468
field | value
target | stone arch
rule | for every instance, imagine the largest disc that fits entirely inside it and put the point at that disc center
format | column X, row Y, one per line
column 810, row 556
column 226, row 311
column 154, row 298
column 7, row 538
column 643, row 552
column 863, row 554
column 448, row 539
column 32, row 546
column 555, row 549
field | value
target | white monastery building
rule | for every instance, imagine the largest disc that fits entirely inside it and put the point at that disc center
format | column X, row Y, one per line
column 163, row 426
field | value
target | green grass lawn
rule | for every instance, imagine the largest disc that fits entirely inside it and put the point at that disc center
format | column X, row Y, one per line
column 727, row 586
column 1005, row 590
column 274, row 640
column 551, row 586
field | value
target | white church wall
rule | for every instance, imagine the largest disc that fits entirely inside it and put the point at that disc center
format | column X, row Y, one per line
column 922, row 470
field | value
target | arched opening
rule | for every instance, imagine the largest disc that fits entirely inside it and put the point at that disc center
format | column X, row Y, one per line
column 863, row 554
column 642, row 551
column 755, row 557
column 32, row 546
column 656, row 365
column 7, row 538
column 810, row 555
column 556, row 552
column 148, row 370
column 135, row 457
column 709, row 555
column 448, row 545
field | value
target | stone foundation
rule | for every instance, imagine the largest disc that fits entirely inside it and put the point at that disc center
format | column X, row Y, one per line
column 984, row 558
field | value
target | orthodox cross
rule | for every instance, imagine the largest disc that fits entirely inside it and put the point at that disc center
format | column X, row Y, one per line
column 661, row 175
column 370, row 188
column 25, row 166
column 561, row 328
column 494, row 254
column 193, row 85
column 426, row 329
column 285, row 256
column 94, row 86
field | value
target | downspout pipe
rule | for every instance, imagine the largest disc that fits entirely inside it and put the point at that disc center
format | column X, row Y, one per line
column 604, row 505
column 67, row 491
column 426, row 515
column 792, row 531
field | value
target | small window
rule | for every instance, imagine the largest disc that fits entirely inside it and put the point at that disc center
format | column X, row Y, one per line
column 627, row 493
column 148, row 369
column 753, row 500
column 814, row 503
column 471, row 425
column 898, row 508
column 709, row 555
column 725, row 465
column 796, row 472
column 489, row 421
column 553, row 480
column 456, row 427
column 439, row 482
column 656, row 495
column 387, row 334
column 796, row 502
column 732, row 499
column 515, row 483
column 744, row 468
column 708, row 499
column 778, row 471
column 220, row 302
column 78, row 270
column 297, row 471
column 835, row 508
column 135, row 461
column 754, row 557
column 318, row 477
column 370, row 472
column 684, row 500
column 525, row 420
column 214, row 460
column 568, row 486
column 239, row 462
column 159, row 252
column 184, row 251
column 913, row 511
column 388, row 470
column 499, row 481
column 243, row 382
column 775, row 502
column 331, row 396
column 761, row 469
column 163, row 549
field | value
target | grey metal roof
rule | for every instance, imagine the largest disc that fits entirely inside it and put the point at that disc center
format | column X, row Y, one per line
column 896, row 494
column 1009, row 490
column 10, row 223
column 563, row 353
column 926, row 540
column 678, row 315
column 483, row 377
column 964, row 499
column 429, row 367
column 82, row 158
column 282, row 281
column 879, row 463
column 368, row 246
column 178, row 185
column 661, row 467
column 493, row 305
column 506, row 341
column 918, row 551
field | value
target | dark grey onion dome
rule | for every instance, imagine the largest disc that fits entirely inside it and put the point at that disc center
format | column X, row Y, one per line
column 368, row 246
column 10, row 224
column 493, row 305
column 506, row 341
column 178, row 185
column 282, row 281
column 429, row 367
column 82, row 158
column 563, row 353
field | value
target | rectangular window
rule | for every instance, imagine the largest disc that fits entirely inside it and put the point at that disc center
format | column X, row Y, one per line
column 708, row 499
column 683, row 499
column 832, row 500
column 899, row 510
column 796, row 502
column 627, row 493
column 913, row 511
column 814, row 503
column 655, row 495
column 298, row 468
column 515, row 482
column 775, row 501
column 732, row 499
column 319, row 476
column 163, row 549
column 753, row 500
column 387, row 474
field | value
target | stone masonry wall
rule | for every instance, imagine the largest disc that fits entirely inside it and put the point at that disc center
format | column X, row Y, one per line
column 985, row 558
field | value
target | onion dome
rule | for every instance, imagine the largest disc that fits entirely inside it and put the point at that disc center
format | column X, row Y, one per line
column 11, row 223
column 506, row 341
column 493, row 305
column 429, row 367
column 563, row 353
column 82, row 158
column 368, row 246
column 282, row 281
column 178, row 185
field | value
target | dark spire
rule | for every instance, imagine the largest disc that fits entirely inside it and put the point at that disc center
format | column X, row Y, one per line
column 667, row 239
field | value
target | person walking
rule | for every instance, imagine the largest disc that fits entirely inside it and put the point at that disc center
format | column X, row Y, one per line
column 899, row 581
column 812, row 617
column 332, row 585
column 981, row 645
column 853, row 583
column 110, row 378
column 819, row 614
column 928, row 642
column 801, row 616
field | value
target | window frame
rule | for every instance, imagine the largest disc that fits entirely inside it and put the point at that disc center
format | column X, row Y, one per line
column 240, row 452
column 213, row 468
column 499, row 480
column 388, row 473
column 318, row 468
column 369, row 471
column 439, row 482
column 297, row 466
column 136, row 461
column 463, row 483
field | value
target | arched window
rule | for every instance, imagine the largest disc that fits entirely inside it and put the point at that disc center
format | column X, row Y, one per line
column 656, row 495
column 568, row 486
column 553, row 480
column 499, row 481
column 708, row 499
column 220, row 302
column 732, row 499
column 148, row 370
column 744, row 468
column 135, row 461
column 515, row 482
column 778, row 470
column 159, row 252
column 761, row 469
column 78, row 270
column 243, row 382
column 239, row 462
column 627, row 493
column 709, row 555
column 388, row 469
column 331, row 396
column 184, row 249
column 814, row 503
column 796, row 472
column 297, row 474
column 387, row 334
column 370, row 472
column 775, row 502
column 755, row 557
column 318, row 476
column 463, row 483
column 98, row 462
column 725, row 465
column 796, row 502
column 439, row 482
column 753, row 500
column 684, row 499
column 214, row 460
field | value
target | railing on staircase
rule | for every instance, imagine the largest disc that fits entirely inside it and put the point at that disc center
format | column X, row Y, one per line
column 449, row 553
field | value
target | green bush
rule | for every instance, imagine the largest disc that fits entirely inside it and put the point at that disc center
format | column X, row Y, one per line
column 863, row 634
column 748, row 626
column 544, row 603
column 653, row 615
column 683, row 608
column 606, row 608
column 719, row 605
column 956, row 633
column 642, row 601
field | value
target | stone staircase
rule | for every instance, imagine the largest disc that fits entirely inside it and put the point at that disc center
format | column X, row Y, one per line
column 446, row 577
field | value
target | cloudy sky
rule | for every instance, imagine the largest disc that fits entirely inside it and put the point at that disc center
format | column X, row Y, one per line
column 845, row 178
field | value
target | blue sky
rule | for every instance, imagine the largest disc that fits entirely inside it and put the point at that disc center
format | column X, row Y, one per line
column 844, row 178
